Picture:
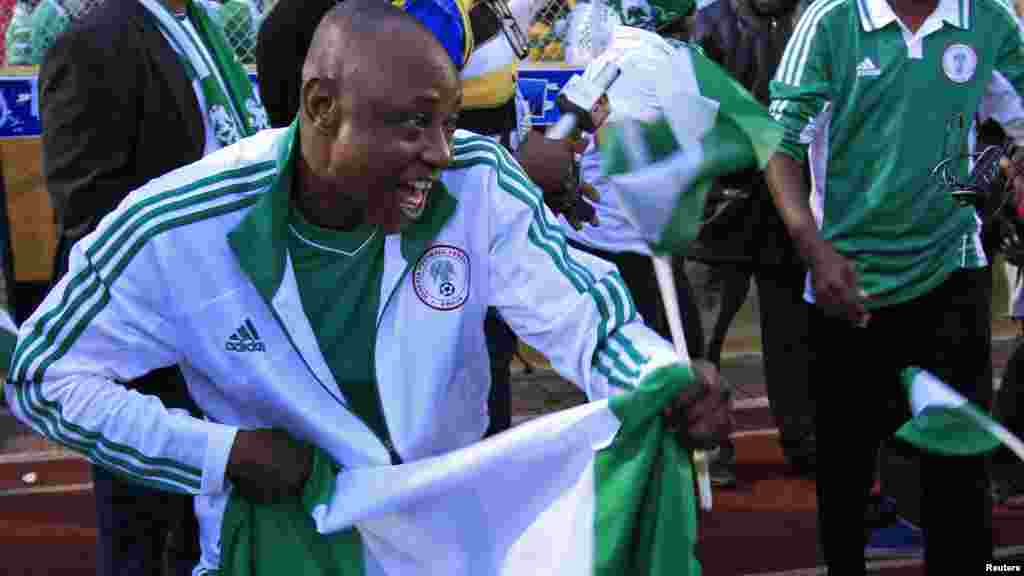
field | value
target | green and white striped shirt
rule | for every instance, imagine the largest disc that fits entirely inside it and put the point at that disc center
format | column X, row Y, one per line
column 878, row 107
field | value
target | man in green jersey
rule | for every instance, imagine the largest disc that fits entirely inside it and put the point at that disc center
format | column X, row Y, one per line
column 873, row 94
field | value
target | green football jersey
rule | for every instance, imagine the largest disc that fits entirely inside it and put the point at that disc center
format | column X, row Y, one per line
column 874, row 108
column 339, row 277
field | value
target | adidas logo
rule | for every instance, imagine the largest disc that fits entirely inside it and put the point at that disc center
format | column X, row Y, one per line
column 245, row 339
column 867, row 68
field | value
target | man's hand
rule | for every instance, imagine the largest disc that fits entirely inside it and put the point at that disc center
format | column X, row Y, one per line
column 836, row 285
column 267, row 465
column 551, row 165
column 700, row 415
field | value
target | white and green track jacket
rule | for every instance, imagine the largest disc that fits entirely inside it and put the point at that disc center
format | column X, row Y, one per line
column 192, row 269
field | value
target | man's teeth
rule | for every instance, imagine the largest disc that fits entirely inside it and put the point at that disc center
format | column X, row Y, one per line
column 412, row 205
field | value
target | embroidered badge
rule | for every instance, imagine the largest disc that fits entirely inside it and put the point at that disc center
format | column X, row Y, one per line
column 441, row 277
column 959, row 62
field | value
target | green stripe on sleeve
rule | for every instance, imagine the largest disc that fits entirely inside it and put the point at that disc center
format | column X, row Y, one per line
column 631, row 311
column 48, row 414
column 551, row 243
column 47, row 425
column 617, row 300
column 511, row 174
column 630, row 349
column 123, row 262
column 547, row 236
column 106, row 247
column 613, row 360
column 609, row 375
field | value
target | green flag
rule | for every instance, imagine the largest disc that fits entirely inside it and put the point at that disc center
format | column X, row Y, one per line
column 662, row 166
column 945, row 422
column 8, row 338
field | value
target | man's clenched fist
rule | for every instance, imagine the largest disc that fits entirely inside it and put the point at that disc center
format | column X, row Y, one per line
column 268, row 465
column 700, row 415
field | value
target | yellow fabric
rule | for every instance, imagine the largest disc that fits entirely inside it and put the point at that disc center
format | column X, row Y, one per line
column 464, row 6
column 490, row 90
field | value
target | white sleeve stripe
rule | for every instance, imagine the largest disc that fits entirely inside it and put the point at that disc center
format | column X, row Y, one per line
column 806, row 51
column 792, row 45
column 794, row 59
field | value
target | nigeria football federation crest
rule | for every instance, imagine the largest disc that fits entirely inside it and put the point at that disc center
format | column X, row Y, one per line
column 959, row 62
column 441, row 277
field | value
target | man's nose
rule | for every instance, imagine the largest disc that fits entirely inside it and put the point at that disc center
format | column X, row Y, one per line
column 438, row 150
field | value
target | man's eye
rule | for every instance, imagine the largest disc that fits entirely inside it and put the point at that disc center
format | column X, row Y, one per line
column 451, row 124
column 419, row 121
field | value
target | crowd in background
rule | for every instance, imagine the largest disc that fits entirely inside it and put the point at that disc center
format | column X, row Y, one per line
column 31, row 26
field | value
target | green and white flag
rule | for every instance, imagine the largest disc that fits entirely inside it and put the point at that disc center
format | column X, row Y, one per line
column 8, row 339
column 601, row 489
column 663, row 158
column 945, row 422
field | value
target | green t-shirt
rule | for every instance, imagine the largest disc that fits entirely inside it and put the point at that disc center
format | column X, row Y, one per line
column 339, row 278
column 880, row 107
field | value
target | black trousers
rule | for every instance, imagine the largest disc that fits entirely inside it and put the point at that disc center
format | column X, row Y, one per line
column 860, row 402
column 1009, row 409
column 784, row 342
column 501, row 347
column 139, row 526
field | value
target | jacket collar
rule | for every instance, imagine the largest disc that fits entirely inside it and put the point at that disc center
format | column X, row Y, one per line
column 877, row 14
column 259, row 241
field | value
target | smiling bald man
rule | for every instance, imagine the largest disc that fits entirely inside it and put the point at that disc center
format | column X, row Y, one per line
column 323, row 288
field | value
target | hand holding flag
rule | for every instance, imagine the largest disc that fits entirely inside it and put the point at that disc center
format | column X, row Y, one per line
column 681, row 123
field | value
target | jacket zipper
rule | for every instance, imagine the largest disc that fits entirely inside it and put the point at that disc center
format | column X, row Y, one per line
column 396, row 458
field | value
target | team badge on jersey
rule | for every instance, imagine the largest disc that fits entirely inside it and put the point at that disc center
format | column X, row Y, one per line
column 441, row 277
column 959, row 62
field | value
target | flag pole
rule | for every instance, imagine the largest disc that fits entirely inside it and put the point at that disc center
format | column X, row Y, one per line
column 1009, row 439
column 667, row 286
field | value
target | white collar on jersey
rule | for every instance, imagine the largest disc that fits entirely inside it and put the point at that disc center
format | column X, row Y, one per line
column 875, row 14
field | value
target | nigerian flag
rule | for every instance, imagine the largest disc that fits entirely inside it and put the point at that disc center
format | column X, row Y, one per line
column 943, row 421
column 704, row 125
column 597, row 490
column 8, row 338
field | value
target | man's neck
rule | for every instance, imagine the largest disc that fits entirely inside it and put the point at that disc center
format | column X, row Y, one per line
column 913, row 13
column 320, row 203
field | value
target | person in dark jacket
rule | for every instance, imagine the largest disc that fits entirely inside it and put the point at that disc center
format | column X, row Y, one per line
column 118, row 108
column 744, row 238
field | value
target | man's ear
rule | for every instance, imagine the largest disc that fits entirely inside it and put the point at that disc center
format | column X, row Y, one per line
column 320, row 104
